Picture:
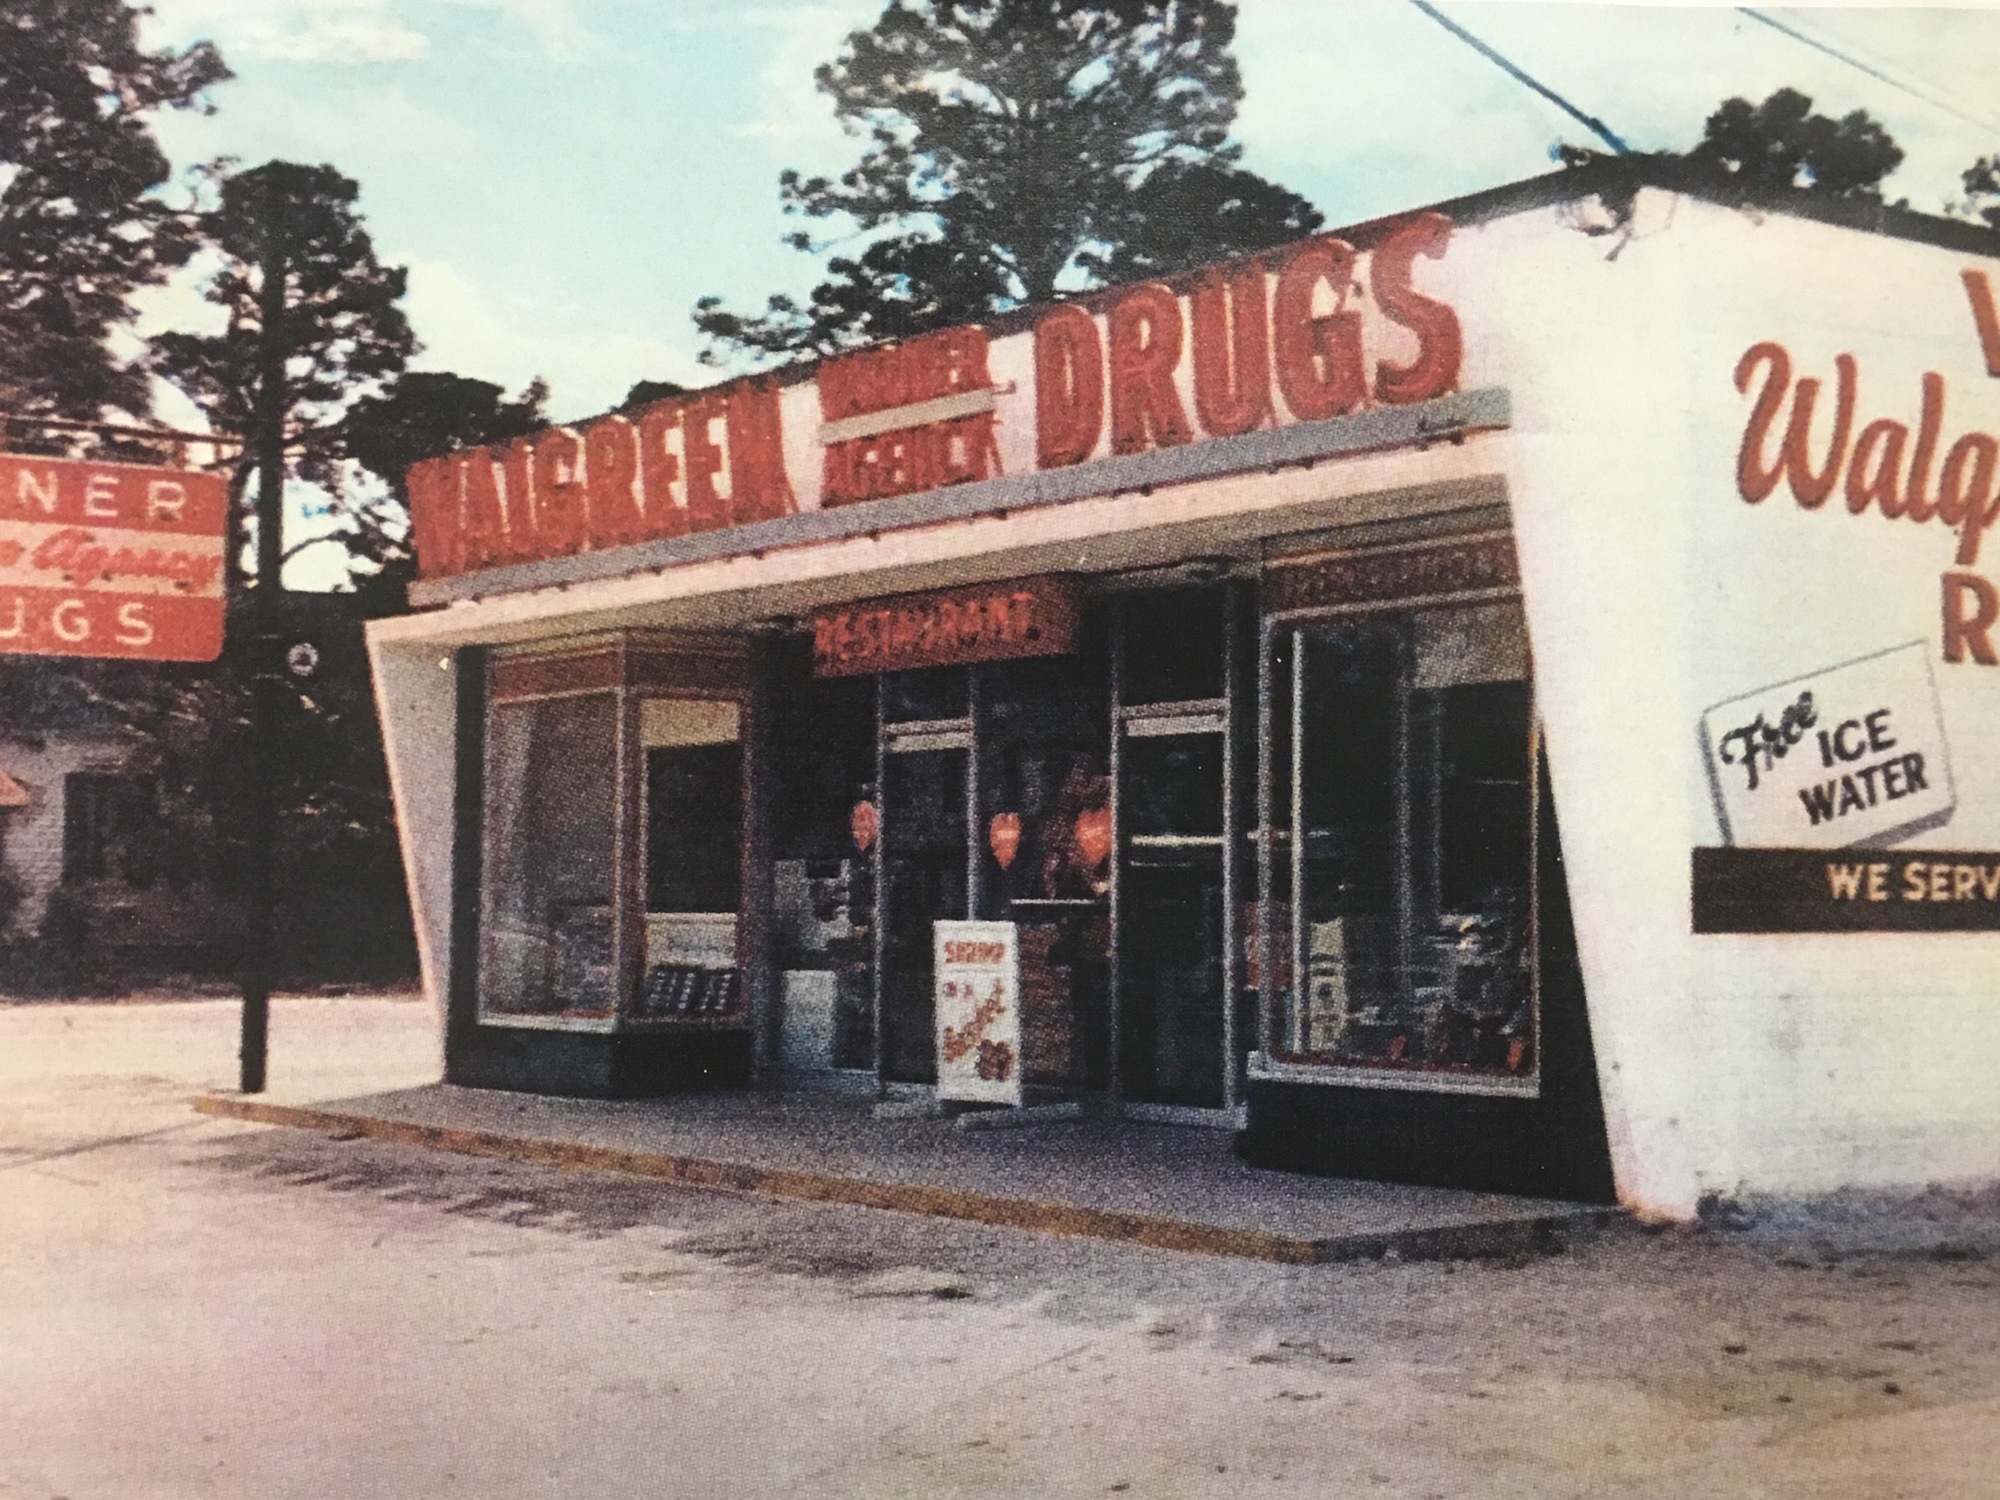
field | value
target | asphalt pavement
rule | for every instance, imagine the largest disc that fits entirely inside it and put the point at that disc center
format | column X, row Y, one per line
column 201, row 1307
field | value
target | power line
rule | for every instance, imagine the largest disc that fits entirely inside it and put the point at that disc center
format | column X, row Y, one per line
column 1873, row 72
column 1602, row 131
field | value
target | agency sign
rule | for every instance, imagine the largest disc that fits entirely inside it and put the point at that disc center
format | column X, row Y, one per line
column 114, row 560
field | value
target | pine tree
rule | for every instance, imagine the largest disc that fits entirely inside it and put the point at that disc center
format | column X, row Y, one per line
column 340, row 329
column 82, row 226
column 1017, row 149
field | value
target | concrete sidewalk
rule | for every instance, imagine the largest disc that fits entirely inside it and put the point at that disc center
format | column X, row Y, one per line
column 1167, row 1187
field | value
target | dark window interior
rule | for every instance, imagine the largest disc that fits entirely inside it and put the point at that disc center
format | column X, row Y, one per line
column 693, row 848
column 1174, row 645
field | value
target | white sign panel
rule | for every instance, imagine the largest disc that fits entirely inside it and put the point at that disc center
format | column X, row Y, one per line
column 1853, row 755
column 977, row 968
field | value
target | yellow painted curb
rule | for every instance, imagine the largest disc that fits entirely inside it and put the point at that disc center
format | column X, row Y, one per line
column 777, row 1182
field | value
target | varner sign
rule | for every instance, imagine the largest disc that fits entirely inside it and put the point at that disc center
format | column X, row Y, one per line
column 1318, row 329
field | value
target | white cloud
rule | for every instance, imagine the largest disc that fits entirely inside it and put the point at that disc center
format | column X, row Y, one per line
column 313, row 31
column 790, row 109
column 589, row 366
column 554, row 24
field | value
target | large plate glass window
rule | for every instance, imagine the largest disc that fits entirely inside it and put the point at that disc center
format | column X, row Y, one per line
column 546, row 940
column 1410, row 859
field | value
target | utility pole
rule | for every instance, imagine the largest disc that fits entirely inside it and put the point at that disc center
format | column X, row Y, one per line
column 266, row 624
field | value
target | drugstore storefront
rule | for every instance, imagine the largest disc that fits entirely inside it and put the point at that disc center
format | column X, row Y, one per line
column 1156, row 704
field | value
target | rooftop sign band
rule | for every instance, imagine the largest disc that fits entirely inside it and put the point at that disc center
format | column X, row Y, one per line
column 113, row 560
column 1302, row 334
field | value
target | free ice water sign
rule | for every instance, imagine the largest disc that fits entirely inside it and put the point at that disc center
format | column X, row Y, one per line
column 1853, row 755
column 978, row 992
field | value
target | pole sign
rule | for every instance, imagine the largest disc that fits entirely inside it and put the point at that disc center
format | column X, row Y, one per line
column 978, row 994
column 113, row 560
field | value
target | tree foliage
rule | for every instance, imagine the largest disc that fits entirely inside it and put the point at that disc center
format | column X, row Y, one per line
column 81, row 226
column 342, row 332
column 420, row 414
column 1982, row 189
column 1781, row 145
column 1015, row 149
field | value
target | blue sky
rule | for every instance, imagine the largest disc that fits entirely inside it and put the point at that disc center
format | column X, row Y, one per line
column 565, row 177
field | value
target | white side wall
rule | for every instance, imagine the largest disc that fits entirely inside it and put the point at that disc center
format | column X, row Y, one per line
column 416, row 697
column 1785, row 1064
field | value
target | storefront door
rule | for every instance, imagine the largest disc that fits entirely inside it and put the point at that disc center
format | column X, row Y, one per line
column 926, row 741
column 1175, row 939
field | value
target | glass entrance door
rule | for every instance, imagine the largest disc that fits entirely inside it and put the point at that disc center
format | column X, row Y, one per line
column 1173, row 936
column 1176, row 1037
column 926, row 744
column 1045, row 823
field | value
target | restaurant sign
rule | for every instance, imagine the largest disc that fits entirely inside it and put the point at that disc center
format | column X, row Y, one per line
column 1319, row 329
column 987, row 622
column 114, row 560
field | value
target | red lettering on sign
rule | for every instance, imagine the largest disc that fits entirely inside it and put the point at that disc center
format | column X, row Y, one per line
column 758, row 488
column 1971, row 608
column 707, row 507
column 559, row 496
column 907, row 460
column 1966, row 497
column 1232, row 377
column 1318, row 357
column 610, row 469
column 1069, row 387
column 1034, row 617
column 1145, row 327
column 485, row 522
column 1984, row 319
column 660, row 470
column 1440, row 343
column 517, row 470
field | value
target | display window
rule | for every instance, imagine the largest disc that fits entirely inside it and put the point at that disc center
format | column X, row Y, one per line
column 1397, row 937
column 546, row 917
column 611, row 836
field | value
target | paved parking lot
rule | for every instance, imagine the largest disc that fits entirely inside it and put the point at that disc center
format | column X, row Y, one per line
column 191, row 1307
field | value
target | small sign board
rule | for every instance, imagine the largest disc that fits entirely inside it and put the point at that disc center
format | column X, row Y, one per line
column 977, row 969
column 1480, row 566
column 103, row 559
column 1817, row 890
column 987, row 622
column 1849, row 757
